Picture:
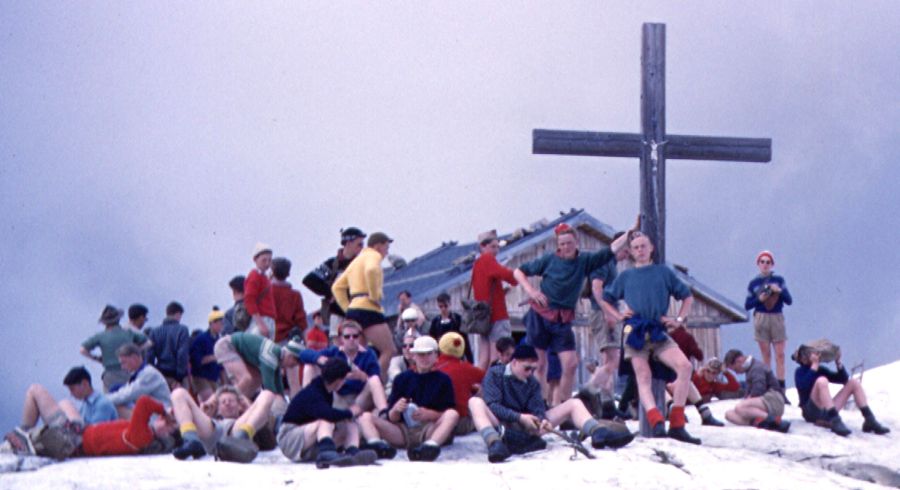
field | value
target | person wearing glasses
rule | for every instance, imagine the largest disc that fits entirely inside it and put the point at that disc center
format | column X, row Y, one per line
column 512, row 404
column 767, row 294
column 363, row 386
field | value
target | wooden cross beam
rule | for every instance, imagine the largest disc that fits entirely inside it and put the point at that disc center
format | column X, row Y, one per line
column 652, row 145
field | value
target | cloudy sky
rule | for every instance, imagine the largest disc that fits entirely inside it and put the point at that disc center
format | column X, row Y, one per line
column 145, row 147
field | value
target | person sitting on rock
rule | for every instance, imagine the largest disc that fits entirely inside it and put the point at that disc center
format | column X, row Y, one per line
column 312, row 428
column 816, row 402
column 228, row 434
column 512, row 401
column 764, row 402
column 420, row 414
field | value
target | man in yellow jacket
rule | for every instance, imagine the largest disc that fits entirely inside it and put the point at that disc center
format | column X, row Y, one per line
column 359, row 293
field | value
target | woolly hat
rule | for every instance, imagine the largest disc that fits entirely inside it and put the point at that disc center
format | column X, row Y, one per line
column 524, row 352
column 334, row 369
column 215, row 314
column 765, row 253
column 452, row 344
column 410, row 314
column 563, row 228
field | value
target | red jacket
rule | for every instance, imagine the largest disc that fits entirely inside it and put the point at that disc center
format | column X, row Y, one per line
column 463, row 376
column 122, row 437
column 709, row 389
column 316, row 339
column 258, row 295
column 289, row 310
column 487, row 284
column 686, row 343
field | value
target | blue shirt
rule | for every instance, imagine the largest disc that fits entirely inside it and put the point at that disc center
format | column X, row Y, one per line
column 97, row 408
column 607, row 274
column 646, row 290
column 365, row 360
column 201, row 347
column 757, row 285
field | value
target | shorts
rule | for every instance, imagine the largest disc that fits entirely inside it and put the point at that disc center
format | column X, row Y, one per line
column 774, row 401
column 607, row 338
column 291, row 440
column 415, row 436
column 334, row 321
column 366, row 318
column 656, row 348
column 769, row 327
column 270, row 325
column 812, row 413
column 500, row 329
column 547, row 335
column 225, row 352
column 221, row 428
column 554, row 367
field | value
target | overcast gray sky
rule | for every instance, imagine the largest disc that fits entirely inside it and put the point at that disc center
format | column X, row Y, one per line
column 147, row 146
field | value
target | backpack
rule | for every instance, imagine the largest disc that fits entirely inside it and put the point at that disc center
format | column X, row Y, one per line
column 241, row 317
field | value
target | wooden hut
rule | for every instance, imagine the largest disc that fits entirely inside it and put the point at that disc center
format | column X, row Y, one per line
column 448, row 268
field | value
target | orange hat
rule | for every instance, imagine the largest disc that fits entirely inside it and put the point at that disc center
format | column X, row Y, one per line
column 765, row 253
column 563, row 228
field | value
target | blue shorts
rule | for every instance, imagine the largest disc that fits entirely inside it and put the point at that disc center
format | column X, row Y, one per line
column 365, row 318
column 546, row 335
column 554, row 367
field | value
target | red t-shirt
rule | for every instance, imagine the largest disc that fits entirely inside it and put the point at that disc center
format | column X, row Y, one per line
column 709, row 389
column 288, row 310
column 258, row 295
column 463, row 376
column 122, row 437
column 487, row 284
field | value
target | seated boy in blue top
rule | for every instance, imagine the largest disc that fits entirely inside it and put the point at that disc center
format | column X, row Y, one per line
column 39, row 404
column 549, row 320
column 646, row 290
column 512, row 397
column 312, row 428
column 420, row 416
column 816, row 401
column 363, row 386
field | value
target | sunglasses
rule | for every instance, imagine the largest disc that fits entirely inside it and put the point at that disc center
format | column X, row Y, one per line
column 349, row 336
column 765, row 261
column 407, row 346
column 529, row 369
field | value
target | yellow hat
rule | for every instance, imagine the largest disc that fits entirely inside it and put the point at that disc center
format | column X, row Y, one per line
column 214, row 315
column 452, row 344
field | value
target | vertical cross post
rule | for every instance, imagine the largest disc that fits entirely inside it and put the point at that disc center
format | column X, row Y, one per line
column 653, row 135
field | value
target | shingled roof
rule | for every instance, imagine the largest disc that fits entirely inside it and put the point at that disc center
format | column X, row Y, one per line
column 450, row 264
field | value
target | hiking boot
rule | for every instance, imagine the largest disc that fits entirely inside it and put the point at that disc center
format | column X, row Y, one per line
column 190, row 448
column 712, row 421
column 382, row 449
column 20, row 441
column 680, row 434
column 613, row 439
column 424, row 452
column 521, row 442
column 236, row 450
column 659, row 430
column 498, row 452
column 356, row 458
column 782, row 426
column 872, row 425
column 837, row 426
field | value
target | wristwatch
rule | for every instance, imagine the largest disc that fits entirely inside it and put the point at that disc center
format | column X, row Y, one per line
column 680, row 319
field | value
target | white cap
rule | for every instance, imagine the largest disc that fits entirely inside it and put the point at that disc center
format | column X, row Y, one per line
column 410, row 314
column 424, row 345
column 261, row 248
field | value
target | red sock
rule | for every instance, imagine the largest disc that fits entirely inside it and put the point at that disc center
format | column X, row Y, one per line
column 676, row 417
column 654, row 417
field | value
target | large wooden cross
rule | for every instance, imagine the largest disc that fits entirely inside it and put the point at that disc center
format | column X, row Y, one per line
column 652, row 145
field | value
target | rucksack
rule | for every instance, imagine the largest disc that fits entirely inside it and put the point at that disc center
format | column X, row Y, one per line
column 241, row 317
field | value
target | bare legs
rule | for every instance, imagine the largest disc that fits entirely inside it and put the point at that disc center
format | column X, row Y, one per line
column 380, row 336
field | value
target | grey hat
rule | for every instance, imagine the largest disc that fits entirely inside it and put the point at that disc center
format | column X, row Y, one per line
column 110, row 315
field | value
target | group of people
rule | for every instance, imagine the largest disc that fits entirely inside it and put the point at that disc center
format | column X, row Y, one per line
column 336, row 392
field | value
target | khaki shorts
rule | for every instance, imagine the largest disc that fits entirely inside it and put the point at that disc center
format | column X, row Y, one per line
column 607, row 338
column 774, row 401
column 225, row 352
column 465, row 426
column 769, row 327
column 654, row 348
column 221, row 428
column 291, row 439
column 415, row 436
